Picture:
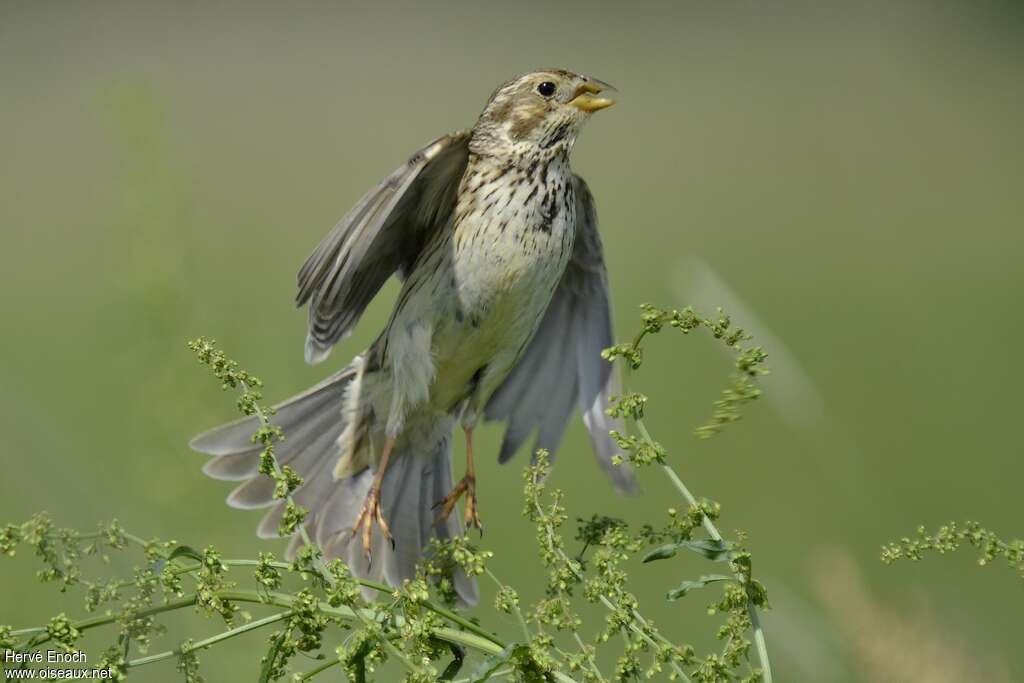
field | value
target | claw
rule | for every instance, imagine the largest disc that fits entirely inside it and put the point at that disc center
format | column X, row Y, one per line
column 467, row 486
column 371, row 512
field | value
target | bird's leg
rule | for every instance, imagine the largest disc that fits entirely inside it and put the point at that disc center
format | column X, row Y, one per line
column 371, row 510
column 471, row 512
column 467, row 485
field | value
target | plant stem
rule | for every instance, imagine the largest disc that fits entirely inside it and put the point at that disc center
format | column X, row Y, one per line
column 93, row 622
column 320, row 669
column 444, row 612
column 515, row 608
column 497, row 674
column 529, row 635
column 264, row 419
column 590, row 658
column 137, row 540
column 448, row 635
column 28, row 631
column 605, row 600
column 213, row 640
column 760, row 643
column 486, row 643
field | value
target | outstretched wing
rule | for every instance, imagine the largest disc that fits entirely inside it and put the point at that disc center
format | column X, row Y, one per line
column 562, row 366
column 381, row 235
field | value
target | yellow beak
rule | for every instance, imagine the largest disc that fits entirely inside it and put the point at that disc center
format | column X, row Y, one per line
column 585, row 99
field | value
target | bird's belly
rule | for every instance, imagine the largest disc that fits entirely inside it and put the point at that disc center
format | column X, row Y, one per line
column 469, row 310
column 502, row 288
column 507, row 277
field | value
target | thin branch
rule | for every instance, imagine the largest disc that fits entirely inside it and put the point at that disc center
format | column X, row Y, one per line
column 94, row 622
column 444, row 612
column 605, row 600
column 760, row 644
column 515, row 607
column 485, row 645
column 320, row 669
column 394, row 651
column 212, row 640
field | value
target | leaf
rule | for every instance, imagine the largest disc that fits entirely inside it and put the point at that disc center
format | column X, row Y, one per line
column 494, row 662
column 185, row 551
column 661, row 552
column 716, row 551
column 454, row 666
column 686, row 586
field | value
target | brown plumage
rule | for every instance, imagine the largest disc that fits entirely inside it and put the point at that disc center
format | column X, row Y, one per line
column 502, row 313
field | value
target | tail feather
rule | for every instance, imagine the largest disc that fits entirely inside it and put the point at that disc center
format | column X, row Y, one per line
column 243, row 465
column 443, row 481
column 401, row 496
column 232, row 467
column 317, row 487
column 236, row 437
column 412, row 483
column 258, row 492
column 339, row 512
column 333, row 528
column 313, row 423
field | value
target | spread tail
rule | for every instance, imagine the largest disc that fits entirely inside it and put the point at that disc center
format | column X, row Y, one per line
column 313, row 423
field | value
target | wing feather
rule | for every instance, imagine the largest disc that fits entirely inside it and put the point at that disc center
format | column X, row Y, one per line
column 381, row 235
column 562, row 366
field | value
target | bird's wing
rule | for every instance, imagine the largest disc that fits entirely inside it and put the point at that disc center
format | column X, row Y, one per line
column 563, row 363
column 381, row 235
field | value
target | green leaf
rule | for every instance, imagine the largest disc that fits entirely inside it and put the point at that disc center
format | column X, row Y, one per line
column 185, row 551
column 454, row 666
column 716, row 551
column 494, row 662
column 661, row 552
column 687, row 586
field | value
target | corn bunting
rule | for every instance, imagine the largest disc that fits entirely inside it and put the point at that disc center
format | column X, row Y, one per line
column 502, row 313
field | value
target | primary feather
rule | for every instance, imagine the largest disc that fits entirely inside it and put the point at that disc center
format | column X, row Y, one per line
column 380, row 236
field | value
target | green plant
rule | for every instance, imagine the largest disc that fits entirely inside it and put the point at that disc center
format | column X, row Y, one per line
column 310, row 600
column 951, row 537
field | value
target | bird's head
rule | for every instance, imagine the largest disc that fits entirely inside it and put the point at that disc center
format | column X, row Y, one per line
column 540, row 110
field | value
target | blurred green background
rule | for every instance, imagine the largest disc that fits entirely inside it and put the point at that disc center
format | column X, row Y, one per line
column 846, row 177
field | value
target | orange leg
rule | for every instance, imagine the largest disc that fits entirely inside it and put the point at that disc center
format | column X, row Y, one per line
column 371, row 511
column 467, row 485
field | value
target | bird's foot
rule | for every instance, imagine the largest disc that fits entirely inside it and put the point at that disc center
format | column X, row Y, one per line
column 467, row 486
column 371, row 512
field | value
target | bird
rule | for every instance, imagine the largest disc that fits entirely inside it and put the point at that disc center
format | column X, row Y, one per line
column 502, row 314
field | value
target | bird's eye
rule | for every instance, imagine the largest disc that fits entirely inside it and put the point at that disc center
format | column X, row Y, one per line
column 547, row 88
